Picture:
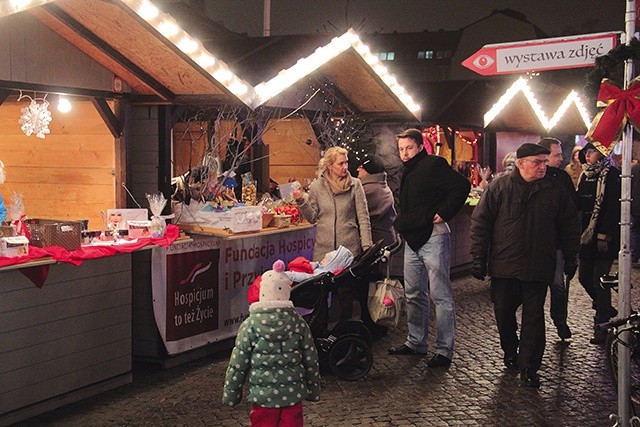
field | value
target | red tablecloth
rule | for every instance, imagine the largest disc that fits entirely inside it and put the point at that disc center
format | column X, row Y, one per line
column 38, row 274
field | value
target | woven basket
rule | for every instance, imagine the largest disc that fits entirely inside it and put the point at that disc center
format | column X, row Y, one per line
column 52, row 232
column 6, row 231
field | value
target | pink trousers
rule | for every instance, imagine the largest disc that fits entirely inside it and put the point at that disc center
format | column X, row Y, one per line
column 291, row 416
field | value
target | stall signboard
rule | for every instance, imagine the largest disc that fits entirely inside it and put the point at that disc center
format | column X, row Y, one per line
column 199, row 287
column 541, row 55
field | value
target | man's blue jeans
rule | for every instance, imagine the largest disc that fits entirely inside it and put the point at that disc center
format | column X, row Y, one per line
column 426, row 275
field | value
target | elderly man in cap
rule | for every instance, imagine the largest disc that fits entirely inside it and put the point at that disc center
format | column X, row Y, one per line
column 520, row 220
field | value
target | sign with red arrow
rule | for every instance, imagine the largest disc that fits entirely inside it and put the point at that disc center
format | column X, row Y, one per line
column 540, row 55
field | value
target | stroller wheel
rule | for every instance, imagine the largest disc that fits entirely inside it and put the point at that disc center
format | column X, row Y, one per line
column 350, row 357
column 352, row 327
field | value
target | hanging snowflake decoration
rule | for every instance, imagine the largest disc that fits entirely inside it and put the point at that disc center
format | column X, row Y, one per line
column 35, row 118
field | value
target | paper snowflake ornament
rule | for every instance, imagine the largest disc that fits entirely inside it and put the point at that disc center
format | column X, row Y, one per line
column 35, row 119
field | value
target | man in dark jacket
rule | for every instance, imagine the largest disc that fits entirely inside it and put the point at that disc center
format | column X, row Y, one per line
column 431, row 193
column 520, row 220
column 560, row 285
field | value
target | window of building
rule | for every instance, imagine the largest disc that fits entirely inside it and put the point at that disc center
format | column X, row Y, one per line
column 425, row 54
column 386, row 56
column 438, row 54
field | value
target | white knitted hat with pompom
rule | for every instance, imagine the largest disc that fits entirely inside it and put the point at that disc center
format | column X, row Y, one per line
column 275, row 285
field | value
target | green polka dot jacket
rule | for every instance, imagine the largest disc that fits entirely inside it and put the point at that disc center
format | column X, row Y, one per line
column 275, row 350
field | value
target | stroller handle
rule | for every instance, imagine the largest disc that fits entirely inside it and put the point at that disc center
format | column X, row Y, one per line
column 395, row 246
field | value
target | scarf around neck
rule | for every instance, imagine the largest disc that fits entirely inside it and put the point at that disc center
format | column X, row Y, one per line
column 340, row 185
column 599, row 170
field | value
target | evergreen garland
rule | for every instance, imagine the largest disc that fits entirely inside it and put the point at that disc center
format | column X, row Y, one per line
column 607, row 66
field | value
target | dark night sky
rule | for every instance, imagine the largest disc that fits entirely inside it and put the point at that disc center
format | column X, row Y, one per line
column 556, row 18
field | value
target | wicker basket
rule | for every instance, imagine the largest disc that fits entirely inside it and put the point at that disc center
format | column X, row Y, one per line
column 281, row 221
column 52, row 232
column 6, row 231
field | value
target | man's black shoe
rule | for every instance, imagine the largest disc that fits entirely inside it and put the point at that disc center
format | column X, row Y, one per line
column 529, row 378
column 564, row 332
column 402, row 350
column 599, row 336
column 438, row 361
column 511, row 362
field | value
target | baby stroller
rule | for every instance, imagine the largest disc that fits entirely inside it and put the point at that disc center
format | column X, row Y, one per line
column 345, row 349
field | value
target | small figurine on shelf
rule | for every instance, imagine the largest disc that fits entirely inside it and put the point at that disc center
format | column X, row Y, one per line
column 249, row 190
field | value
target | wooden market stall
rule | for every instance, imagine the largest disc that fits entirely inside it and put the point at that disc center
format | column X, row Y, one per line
column 129, row 83
column 71, row 337
column 67, row 340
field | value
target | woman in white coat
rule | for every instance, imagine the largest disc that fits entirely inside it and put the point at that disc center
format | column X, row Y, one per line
column 337, row 204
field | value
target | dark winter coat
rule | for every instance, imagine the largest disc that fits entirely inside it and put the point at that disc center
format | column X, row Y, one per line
column 609, row 217
column 429, row 186
column 342, row 219
column 563, row 178
column 518, row 225
column 382, row 213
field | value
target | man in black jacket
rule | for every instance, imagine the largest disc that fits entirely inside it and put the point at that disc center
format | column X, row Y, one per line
column 520, row 220
column 560, row 285
column 431, row 193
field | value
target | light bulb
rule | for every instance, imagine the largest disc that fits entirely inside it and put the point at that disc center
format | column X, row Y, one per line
column 64, row 105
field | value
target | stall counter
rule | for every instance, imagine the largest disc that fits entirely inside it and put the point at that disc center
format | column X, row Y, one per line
column 66, row 341
column 190, row 298
column 65, row 324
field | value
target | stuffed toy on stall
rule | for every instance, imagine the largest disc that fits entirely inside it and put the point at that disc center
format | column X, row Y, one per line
column 275, row 351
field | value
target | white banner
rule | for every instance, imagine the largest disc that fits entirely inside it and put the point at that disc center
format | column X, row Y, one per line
column 200, row 286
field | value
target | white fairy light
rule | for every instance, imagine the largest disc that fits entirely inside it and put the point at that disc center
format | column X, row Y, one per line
column 64, row 105
column 148, row 11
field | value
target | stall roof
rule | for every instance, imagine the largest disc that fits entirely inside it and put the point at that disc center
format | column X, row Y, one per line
column 348, row 64
column 162, row 63
column 154, row 56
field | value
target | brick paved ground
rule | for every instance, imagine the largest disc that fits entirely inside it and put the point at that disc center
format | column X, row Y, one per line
column 399, row 391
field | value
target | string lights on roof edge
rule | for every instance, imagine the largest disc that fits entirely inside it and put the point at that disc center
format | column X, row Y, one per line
column 251, row 96
column 322, row 55
column 521, row 85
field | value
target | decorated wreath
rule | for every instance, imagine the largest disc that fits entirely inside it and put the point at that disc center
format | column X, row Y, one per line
column 617, row 105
